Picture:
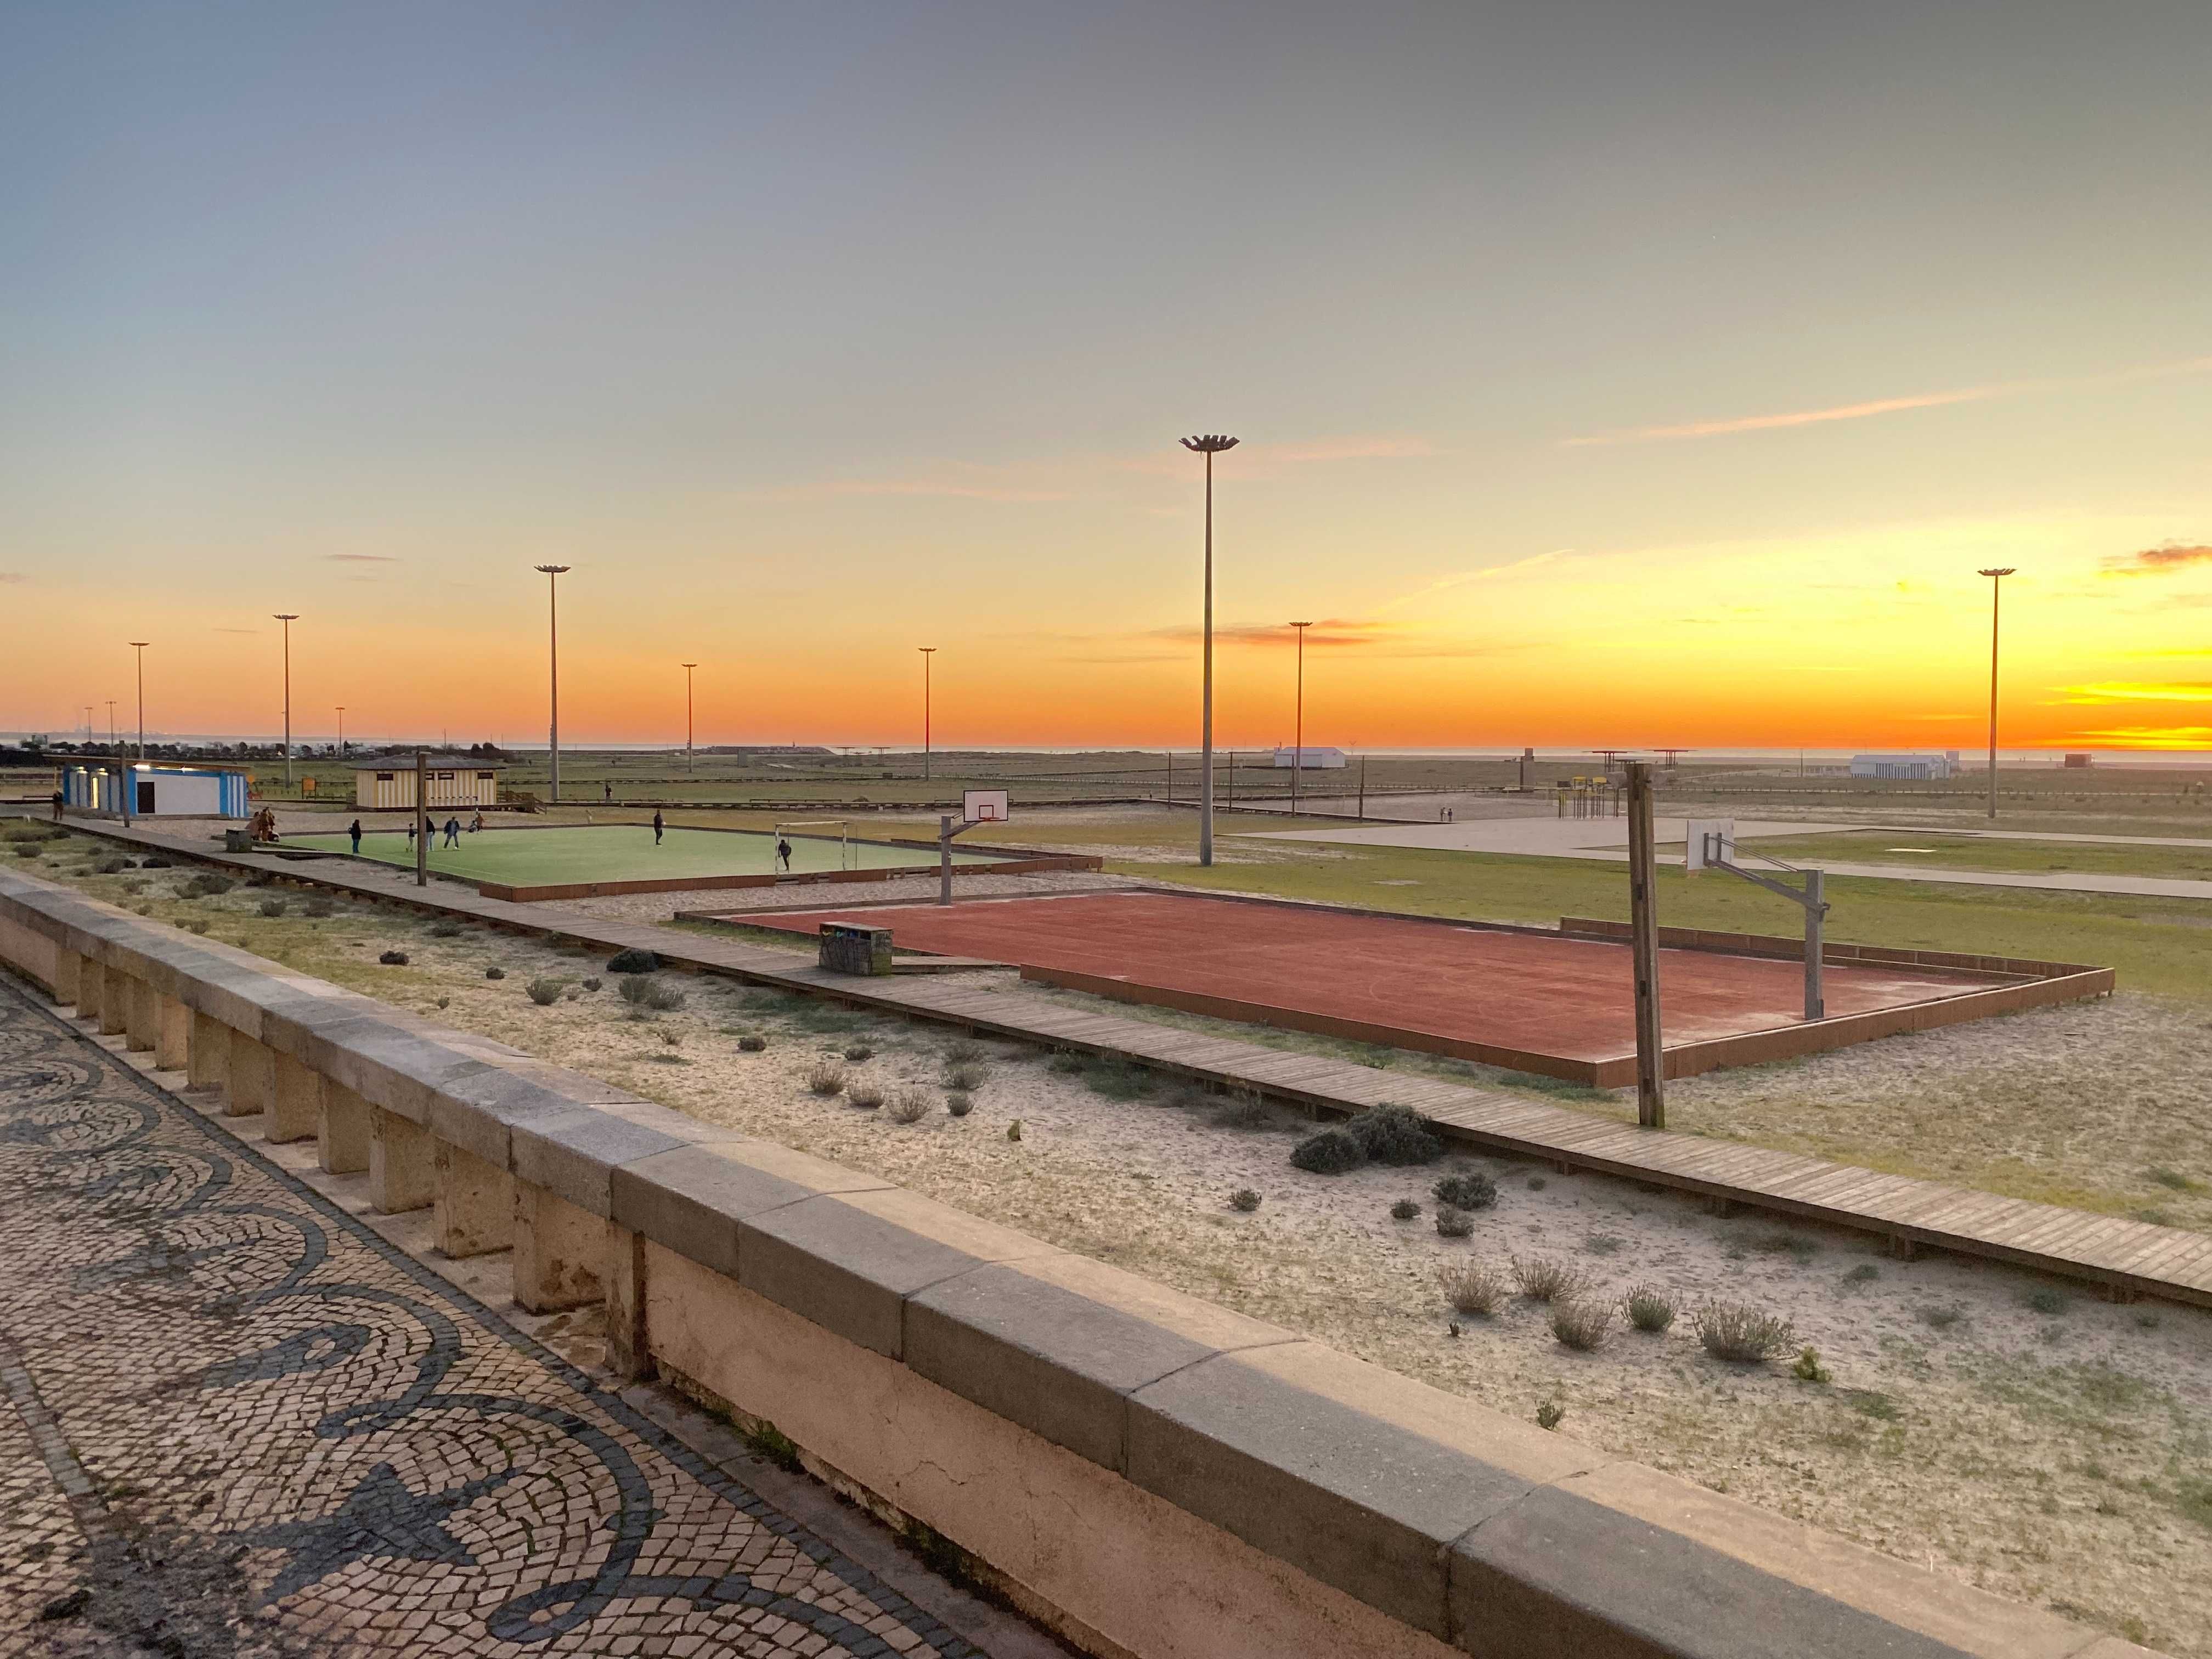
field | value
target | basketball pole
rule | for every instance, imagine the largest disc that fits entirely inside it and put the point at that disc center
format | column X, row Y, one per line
column 1208, row 446
column 1643, row 949
column 1997, row 584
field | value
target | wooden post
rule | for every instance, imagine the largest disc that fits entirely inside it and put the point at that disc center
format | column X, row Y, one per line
column 422, row 824
column 1815, row 1006
column 1644, row 950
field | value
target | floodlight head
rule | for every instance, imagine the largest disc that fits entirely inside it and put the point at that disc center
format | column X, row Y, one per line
column 925, row 649
column 1303, row 624
column 142, row 644
column 689, row 664
column 284, row 616
column 1210, row 443
column 2007, row 571
column 551, row 569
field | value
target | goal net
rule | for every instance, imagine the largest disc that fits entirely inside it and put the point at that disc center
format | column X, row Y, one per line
column 825, row 829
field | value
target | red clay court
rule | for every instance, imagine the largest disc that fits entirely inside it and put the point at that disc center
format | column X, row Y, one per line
column 1554, row 1003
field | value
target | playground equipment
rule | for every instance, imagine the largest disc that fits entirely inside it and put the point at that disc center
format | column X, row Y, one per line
column 1589, row 798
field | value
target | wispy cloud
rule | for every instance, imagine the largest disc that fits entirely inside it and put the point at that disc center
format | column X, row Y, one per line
column 2156, row 561
column 363, row 558
column 1264, row 460
column 2149, row 736
column 956, row 490
column 1874, row 406
column 13, row 576
column 2112, row 691
column 237, row 630
column 1461, row 579
column 1335, row 633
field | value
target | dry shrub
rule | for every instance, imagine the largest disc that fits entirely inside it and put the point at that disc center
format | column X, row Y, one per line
column 1472, row 1287
column 1546, row 1278
column 1738, row 1331
column 866, row 1096
column 1583, row 1324
column 1647, row 1307
column 825, row 1077
column 910, row 1106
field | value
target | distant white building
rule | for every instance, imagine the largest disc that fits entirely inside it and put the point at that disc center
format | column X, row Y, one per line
column 1923, row 767
column 1310, row 760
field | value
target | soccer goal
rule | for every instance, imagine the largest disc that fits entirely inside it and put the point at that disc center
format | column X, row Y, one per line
column 837, row 829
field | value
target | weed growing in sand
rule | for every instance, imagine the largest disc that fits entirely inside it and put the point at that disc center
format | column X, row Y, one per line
column 1453, row 1223
column 546, row 991
column 1808, row 1367
column 1737, row 1331
column 2047, row 1299
column 866, row 1096
column 859, row 1051
column 1582, row 1325
column 1404, row 1210
column 1472, row 1287
column 1604, row 1243
column 1546, row 1278
column 1244, row 1199
column 825, row 1077
column 966, row 1077
column 1648, row 1307
column 1551, row 1413
column 959, row 1104
column 908, row 1106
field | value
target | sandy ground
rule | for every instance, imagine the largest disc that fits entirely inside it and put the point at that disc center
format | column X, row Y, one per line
column 2010, row 1432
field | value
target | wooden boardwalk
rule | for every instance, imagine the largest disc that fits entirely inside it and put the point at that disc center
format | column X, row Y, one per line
column 2126, row 1258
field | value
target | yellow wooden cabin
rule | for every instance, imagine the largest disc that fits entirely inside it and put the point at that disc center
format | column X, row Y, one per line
column 381, row 783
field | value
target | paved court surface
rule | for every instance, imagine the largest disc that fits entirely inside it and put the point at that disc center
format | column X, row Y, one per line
column 1607, row 839
column 1528, row 991
column 626, row 852
column 233, row 1421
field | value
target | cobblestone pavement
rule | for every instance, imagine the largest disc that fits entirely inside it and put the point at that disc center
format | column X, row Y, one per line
column 233, row 1421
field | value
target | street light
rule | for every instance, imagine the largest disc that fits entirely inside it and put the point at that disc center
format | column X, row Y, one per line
column 110, row 723
column 689, row 764
column 1298, row 730
column 1996, row 584
column 552, row 574
column 927, row 651
column 1209, row 445
column 288, row 618
column 341, row 708
column 139, row 646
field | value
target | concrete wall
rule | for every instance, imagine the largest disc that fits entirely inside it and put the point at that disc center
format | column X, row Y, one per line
column 1151, row 1474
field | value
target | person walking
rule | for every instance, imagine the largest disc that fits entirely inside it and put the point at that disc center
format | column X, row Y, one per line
column 607, row 791
column 453, row 832
column 783, row 852
column 410, row 835
column 353, row 831
column 656, row 826
column 57, row 806
column 476, row 824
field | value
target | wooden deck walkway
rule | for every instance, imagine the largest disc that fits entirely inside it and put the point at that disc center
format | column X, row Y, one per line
column 2127, row 1258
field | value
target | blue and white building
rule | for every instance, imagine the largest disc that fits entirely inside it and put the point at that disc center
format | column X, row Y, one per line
column 157, row 789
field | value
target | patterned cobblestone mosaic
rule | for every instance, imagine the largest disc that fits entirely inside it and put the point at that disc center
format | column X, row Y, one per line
column 233, row 1420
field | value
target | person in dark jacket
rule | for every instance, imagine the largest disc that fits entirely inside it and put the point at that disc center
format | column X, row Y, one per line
column 353, row 830
column 656, row 827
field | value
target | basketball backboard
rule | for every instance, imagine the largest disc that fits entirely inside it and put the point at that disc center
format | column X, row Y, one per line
column 984, row 806
column 1706, row 840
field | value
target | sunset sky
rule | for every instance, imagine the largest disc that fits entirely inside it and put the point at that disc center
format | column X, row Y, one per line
column 1615, row 373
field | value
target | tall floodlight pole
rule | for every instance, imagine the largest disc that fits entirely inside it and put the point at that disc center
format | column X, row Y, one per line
column 110, row 723
column 927, row 651
column 690, row 765
column 1298, row 725
column 288, row 618
column 1996, row 586
column 87, row 726
column 341, row 708
column 1209, row 445
column 553, row 573
column 139, row 646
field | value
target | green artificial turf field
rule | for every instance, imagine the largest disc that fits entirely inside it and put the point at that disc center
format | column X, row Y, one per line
column 623, row 852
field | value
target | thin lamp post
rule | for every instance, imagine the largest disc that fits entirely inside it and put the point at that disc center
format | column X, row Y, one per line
column 1299, row 725
column 287, row 619
column 1208, row 445
column 689, row 764
column 1996, row 586
column 927, row 651
column 552, row 574
column 341, row 708
column 139, row 646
